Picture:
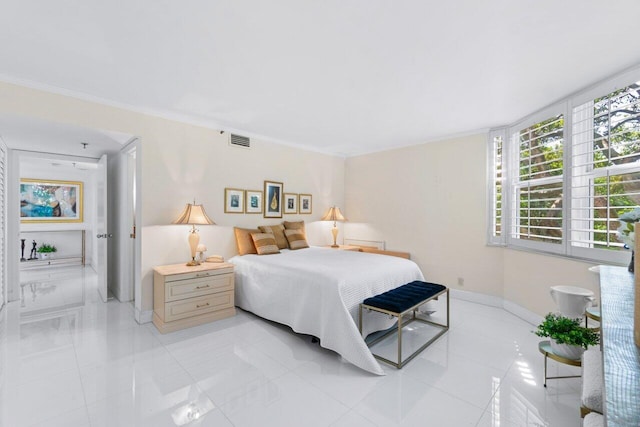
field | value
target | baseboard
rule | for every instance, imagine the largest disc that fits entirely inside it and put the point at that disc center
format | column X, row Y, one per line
column 477, row 298
column 493, row 301
column 143, row 317
column 523, row 313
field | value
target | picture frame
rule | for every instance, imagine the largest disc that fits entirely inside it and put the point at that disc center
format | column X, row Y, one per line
column 49, row 200
column 233, row 200
column 305, row 204
column 290, row 203
column 273, row 199
column 253, row 201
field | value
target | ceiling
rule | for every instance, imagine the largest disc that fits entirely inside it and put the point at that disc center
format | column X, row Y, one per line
column 338, row 76
column 40, row 136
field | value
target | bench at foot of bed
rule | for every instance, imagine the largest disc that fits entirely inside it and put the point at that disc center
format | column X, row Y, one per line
column 400, row 302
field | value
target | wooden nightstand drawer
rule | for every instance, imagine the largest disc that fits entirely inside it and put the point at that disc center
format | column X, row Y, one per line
column 194, row 306
column 199, row 274
column 181, row 289
column 185, row 296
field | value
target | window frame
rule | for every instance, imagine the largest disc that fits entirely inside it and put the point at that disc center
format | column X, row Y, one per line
column 510, row 171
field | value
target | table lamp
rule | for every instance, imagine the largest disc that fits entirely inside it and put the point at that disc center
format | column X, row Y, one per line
column 334, row 214
column 193, row 215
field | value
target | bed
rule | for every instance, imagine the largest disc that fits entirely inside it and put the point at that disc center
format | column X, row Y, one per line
column 317, row 291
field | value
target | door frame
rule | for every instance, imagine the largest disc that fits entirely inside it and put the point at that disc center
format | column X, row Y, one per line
column 130, row 256
column 14, row 156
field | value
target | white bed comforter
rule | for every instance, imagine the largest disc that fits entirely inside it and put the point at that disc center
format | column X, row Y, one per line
column 317, row 291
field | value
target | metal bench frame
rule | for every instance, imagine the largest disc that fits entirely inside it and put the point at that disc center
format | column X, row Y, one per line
column 402, row 324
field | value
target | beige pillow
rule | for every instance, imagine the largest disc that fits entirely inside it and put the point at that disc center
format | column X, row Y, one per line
column 265, row 243
column 296, row 239
column 295, row 225
column 278, row 233
column 244, row 242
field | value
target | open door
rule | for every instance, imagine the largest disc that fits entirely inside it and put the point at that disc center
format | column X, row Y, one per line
column 102, row 234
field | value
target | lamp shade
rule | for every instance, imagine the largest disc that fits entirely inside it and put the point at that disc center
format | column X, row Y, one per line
column 194, row 215
column 334, row 214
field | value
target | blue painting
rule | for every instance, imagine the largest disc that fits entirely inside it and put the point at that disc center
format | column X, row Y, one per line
column 50, row 201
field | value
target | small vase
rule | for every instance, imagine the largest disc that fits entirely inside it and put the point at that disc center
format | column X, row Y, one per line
column 44, row 255
column 631, row 263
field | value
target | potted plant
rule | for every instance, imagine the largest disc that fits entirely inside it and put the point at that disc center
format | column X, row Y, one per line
column 568, row 337
column 45, row 250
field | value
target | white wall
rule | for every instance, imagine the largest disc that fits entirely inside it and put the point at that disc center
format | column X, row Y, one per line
column 428, row 200
column 180, row 162
column 431, row 200
column 175, row 174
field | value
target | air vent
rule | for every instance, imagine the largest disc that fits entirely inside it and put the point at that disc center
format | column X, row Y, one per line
column 239, row 141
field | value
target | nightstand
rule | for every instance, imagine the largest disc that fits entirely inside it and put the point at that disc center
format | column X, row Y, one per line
column 188, row 296
column 345, row 248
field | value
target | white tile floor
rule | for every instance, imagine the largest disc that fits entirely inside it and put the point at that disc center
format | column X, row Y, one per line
column 91, row 364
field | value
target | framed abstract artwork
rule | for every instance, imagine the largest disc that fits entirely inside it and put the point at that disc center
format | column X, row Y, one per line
column 47, row 200
column 253, row 201
column 233, row 200
column 290, row 203
column 273, row 199
column 305, row 204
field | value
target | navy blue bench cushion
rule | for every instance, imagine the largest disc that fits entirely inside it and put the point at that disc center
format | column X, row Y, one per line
column 405, row 296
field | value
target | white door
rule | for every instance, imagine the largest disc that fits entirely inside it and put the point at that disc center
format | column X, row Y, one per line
column 102, row 234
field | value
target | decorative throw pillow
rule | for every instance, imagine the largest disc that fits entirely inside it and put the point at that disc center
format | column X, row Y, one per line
column 244, row 242
column 296, row 239
column 278, row 233
column 295, row 225
column 265, row 243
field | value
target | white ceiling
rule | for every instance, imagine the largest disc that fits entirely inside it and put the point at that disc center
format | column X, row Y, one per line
column 340, row 76
column 31, row 134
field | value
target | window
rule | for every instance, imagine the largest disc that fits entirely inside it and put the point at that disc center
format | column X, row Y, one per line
column 605, row 167
column 496, row 236
column 537, row 186
column 566, row 197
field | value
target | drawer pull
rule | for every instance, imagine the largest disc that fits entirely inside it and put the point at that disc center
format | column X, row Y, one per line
column 202, row 287
column 203, row 305
column 202, row 274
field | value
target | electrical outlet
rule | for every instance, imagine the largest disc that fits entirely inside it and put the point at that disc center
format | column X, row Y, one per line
column 460, row 281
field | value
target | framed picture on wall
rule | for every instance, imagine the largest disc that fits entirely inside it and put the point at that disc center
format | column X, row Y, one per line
column 273, row 199
column 47, row 200
column 290, row 203
column 233, row 200
column 253, row 201
column 305, row 204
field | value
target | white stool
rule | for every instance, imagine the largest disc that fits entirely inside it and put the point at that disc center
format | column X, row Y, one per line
column 593, row 420
column 592, row 382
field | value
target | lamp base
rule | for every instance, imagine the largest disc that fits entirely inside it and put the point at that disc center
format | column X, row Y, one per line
column 335, row 246
column 193, row 263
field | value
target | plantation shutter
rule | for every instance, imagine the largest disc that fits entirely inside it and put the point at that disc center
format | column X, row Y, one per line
column 605, row 167
column 537, row 184
column 3, row 222
column 496, row 200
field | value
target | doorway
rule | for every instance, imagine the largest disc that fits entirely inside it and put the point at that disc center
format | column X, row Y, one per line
column 66, row 147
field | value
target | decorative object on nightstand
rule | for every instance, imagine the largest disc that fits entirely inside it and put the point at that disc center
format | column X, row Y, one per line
column 334, row 214
column 193, row 215
column 188, row 296
column 201, row 249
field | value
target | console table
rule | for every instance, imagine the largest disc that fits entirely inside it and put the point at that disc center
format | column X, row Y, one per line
column 621, row 355
column 66, row 256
